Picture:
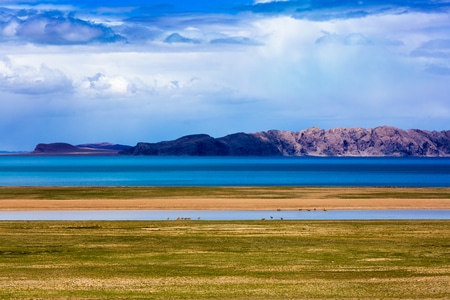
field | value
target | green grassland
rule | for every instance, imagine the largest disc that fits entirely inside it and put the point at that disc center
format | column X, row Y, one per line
column 225, row 259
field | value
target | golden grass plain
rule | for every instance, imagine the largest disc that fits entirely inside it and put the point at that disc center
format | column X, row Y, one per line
column 221, row 198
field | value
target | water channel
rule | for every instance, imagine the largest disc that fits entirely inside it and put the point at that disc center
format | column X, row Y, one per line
column 226, row 215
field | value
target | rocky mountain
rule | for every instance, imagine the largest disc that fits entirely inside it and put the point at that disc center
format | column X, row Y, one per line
column 84, row 149
column 380, row 141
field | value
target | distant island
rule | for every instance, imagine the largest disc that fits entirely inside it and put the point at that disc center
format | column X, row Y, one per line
column 83, row 149
column 380, row 141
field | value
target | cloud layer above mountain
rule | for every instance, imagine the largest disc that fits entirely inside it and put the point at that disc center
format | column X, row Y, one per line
column 86, row 71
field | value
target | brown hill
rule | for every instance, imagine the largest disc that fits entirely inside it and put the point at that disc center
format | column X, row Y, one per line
column 68, row 149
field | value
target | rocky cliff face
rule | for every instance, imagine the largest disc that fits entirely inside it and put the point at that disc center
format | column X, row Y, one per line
column 380, row 141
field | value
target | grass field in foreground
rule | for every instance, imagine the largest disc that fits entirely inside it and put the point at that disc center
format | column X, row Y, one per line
column 225, row 260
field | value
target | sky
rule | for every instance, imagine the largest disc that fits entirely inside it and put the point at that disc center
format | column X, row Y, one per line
column 131, row 71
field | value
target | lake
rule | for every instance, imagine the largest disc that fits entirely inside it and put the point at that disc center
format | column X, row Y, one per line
column 223, row 171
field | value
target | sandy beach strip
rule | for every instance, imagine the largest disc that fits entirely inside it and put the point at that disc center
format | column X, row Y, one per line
column 222, row 204
column 257, row 198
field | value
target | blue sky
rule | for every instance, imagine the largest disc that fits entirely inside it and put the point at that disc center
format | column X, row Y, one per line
column 130, row 71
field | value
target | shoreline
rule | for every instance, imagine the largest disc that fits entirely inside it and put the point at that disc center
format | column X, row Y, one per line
column 192, row 204
column 222, row 198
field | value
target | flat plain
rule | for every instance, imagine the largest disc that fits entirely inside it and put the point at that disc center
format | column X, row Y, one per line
column 196, row 259
column 225, row 198
column 225, row 260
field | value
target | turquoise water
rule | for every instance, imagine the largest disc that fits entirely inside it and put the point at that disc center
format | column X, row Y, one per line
column 222, row 171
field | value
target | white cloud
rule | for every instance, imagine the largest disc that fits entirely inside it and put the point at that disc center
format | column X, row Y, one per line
column 350, row 39
column 101, row 85
column 438, row 48
column 23, row 79
column 354, row 75
column 260, row 73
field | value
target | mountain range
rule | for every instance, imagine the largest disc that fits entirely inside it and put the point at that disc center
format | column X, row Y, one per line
column 379, row 141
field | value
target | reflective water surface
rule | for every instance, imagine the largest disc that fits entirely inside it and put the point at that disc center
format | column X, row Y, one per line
column 227, row 215
column 223, row 171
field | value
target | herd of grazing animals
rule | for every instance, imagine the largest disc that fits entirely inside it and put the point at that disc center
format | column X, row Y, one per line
column 262, row 219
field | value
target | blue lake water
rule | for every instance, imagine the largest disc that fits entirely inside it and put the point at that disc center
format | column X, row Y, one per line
column 222, row 171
